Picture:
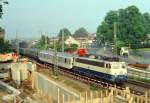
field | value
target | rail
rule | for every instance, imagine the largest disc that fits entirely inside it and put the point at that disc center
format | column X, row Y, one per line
column 139, row 83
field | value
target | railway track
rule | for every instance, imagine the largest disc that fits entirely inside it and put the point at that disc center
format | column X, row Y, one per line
column 139, row 83
column 82, row 78
column 95, row 82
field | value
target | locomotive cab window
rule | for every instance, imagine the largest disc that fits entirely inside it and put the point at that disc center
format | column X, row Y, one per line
column 108, row 66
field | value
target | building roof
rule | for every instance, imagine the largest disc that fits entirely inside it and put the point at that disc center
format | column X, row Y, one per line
column 71, row 40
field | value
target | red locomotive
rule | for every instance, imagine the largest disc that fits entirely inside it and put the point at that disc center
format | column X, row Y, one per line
column 81, row 52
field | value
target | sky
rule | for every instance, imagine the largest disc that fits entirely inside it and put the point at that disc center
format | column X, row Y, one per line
column 27, row 18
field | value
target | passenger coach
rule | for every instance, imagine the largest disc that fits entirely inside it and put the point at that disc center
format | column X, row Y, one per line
column 63, row 60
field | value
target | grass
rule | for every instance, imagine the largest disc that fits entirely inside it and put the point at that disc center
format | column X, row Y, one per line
column 144, row 49
column 139, row 79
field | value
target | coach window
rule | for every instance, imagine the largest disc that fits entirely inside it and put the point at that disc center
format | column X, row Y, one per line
column 106, row 65
column 68, row 61
column 65, row 60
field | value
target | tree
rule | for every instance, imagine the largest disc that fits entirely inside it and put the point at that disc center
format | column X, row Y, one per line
column 42, row 43
column 147, row 20
column 81, row 32
column 72, row 47
column 131, row 26
column 1, row 7
column 105, row 30
column 66, row 33
column 135, row 25
column 5, row 46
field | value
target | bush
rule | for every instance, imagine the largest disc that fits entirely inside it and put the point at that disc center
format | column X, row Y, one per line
column 5, row 46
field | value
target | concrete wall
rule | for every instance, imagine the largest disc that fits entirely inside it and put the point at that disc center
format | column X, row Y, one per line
column 49, row 87
column 19, row 71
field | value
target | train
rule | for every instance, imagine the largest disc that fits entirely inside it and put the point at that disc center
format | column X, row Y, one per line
column 110, row 71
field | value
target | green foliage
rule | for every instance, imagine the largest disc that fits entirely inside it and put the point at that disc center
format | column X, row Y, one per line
column 59, row 46
column 144, row 49
column 42, row 43
column 66, row 33
column 72, row 47
column 120, row 44
column 5, row 46
column 132, row 26
column 147, row 20
column 1, row 7
column 59, row 43
column 81, row 32
column 105, row 30
column 139, row 79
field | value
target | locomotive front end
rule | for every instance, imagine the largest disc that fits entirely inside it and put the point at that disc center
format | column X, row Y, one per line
column 119, row 72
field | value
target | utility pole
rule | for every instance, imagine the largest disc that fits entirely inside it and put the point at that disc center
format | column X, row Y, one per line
column 62, row 41
column 115, row 37
column 17, row 43
column 46, row 40
column 55, row 60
